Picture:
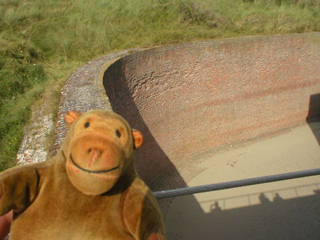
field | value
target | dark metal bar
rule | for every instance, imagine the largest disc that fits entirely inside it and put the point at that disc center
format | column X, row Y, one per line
column 235, row 184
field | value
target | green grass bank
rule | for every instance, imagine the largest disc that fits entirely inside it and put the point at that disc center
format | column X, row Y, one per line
column 41, row 42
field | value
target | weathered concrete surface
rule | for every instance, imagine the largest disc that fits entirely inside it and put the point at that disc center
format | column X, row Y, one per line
column 83, row 91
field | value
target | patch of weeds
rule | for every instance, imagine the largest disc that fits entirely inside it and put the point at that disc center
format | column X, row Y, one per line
column 195, row 13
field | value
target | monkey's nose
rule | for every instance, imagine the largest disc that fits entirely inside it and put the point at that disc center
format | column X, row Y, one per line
column 94, row 155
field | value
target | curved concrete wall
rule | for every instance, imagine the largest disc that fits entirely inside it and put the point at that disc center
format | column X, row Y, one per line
column 191, row 100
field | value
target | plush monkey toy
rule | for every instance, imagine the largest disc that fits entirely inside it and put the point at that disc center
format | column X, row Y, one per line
column 88, row 191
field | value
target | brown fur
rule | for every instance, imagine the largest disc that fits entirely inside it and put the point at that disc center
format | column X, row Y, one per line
column 58, row 200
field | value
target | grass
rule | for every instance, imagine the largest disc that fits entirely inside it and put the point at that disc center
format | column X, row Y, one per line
column 41, row 42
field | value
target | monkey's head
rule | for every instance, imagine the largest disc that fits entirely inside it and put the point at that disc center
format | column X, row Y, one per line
column 99, row 149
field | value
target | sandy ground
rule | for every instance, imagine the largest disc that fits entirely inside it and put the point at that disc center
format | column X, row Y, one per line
column 282, row 210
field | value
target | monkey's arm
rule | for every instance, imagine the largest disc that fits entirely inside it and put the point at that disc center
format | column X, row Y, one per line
column 18, row 188
column 142, row 215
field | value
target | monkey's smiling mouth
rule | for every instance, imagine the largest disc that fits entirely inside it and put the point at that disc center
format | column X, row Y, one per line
column 89, row 171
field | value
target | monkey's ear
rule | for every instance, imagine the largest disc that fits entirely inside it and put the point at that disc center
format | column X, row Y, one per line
column 71, row 116
column 137, row 138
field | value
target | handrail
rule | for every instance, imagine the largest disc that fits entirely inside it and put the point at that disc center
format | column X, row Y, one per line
column 235, row 184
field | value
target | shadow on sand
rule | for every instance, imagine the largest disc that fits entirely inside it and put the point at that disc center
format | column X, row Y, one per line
column 271, row 217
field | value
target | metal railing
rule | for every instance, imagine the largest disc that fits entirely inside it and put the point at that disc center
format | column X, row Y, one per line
column 235, row 184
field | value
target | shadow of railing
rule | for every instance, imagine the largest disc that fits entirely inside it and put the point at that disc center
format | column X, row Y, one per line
column 275, row 195
column 296, row 218
column 264, row 217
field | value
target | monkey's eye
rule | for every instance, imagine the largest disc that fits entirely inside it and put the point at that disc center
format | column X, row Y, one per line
column 87, row 124
column 118, row 133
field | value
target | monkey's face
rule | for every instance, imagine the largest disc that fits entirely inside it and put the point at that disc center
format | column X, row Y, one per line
column 99, row 151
